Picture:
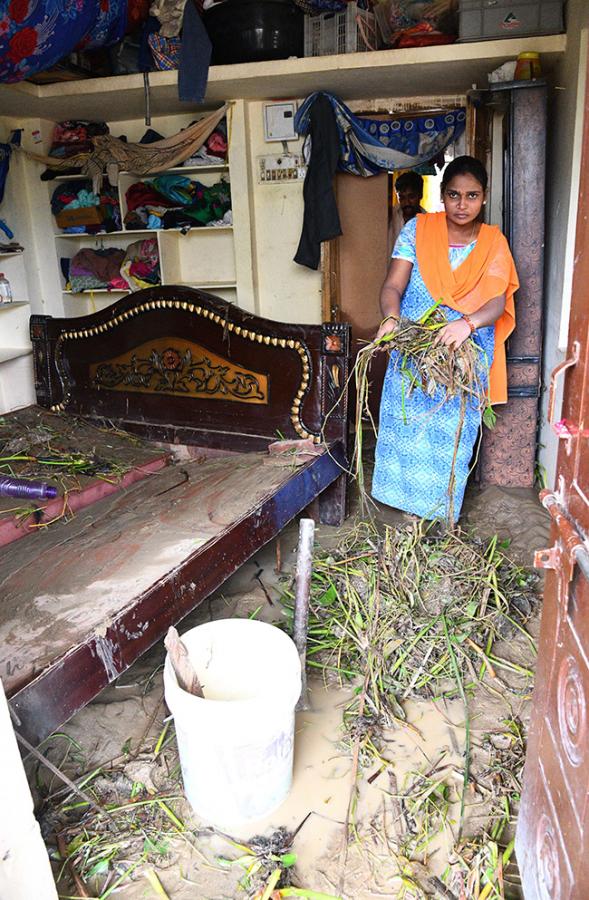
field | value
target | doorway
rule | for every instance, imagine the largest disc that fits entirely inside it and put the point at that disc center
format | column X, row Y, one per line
column 362, row 254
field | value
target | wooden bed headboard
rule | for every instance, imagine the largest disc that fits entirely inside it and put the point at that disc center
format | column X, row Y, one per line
column 180, row 365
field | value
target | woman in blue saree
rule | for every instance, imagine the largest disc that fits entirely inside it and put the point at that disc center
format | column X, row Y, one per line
column 425, row 443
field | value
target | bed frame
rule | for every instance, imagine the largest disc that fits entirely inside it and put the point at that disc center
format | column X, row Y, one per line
column 181, row 367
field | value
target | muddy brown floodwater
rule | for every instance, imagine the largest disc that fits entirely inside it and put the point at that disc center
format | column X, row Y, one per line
column 131, row 712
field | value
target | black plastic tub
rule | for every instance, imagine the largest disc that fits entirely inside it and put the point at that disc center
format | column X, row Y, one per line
column 254, row 30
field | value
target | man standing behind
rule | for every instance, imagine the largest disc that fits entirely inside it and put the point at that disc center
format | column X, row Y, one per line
column 409, row 187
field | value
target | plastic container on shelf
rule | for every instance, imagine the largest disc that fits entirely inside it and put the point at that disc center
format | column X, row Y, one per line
column 254, row 30
column 528, row 67
column 351, row 31
column 5, row 289
column 481, row 20
column 236, row 745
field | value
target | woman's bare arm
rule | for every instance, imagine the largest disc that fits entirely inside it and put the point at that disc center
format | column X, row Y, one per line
column 391, row 292
column 455, row 333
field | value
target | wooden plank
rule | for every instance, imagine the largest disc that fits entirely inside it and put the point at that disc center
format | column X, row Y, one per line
column 150, row 556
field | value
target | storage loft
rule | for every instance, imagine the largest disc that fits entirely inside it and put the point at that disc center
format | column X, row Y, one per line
column 413, row 72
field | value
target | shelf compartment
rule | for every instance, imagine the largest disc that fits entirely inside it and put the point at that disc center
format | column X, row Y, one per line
column 87, row 293
column 7, row 354
column 14, row 305
column 176, row 170
column 208, row 177
column 147, row 231
column 207, row 259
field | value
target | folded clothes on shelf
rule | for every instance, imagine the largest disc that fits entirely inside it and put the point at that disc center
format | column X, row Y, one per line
column 113, row 268
column 141, row 265
column 78, row 194
column 174, row 201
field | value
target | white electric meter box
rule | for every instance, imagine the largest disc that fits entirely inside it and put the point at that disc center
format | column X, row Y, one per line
column 279, row 121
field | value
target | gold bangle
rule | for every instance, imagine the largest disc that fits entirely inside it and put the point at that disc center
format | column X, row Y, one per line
column 386, row 319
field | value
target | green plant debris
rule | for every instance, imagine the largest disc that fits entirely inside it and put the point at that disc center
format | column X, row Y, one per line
column 269, row 867
column 445, row 600
column 440, row 372
column 40, row 451
column 417, row 612
column 132, row 826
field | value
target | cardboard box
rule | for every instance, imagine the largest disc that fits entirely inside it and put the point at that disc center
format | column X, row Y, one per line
column 85, row 215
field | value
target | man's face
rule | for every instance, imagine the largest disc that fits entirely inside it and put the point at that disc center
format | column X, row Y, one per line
column 409, row 201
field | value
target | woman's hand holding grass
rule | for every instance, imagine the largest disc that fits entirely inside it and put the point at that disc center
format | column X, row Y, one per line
column 387, row 326
column 454, row 334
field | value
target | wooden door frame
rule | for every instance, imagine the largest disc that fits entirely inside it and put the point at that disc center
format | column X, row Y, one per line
column 552, row 837
column 330, row 264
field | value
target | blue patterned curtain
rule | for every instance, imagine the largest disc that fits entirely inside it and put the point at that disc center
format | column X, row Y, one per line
column 367, row 146
column 36, row 34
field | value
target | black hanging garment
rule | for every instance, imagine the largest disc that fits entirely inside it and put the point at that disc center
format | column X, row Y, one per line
column 320, row 220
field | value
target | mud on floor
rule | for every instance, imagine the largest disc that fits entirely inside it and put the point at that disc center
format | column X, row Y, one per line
column 403, row 824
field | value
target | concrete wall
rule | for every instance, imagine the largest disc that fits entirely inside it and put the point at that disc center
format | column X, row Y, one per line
column 285, row 291
column 25, row 872
column 563, row 162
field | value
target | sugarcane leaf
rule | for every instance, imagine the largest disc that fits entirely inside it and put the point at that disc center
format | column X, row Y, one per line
column 489, row 417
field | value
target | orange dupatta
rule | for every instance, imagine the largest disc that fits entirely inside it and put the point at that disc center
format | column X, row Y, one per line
column 487, row 272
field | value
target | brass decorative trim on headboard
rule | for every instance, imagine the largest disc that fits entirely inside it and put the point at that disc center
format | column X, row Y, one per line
column 182, row 368
column 225, row 324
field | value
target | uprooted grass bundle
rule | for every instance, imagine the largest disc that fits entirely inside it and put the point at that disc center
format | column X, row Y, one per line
column 268, row 864
column 120, row 819
column 434, row 368
column 417, row 613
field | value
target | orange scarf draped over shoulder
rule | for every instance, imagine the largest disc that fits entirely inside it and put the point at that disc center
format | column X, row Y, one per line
column 487, row 272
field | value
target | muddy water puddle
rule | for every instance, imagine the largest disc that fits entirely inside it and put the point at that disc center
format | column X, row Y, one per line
column 379, row 819
column 407, row 803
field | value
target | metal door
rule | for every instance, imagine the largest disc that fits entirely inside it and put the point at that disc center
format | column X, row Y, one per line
column 553, row 828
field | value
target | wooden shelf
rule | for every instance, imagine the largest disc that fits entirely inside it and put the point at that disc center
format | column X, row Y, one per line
column 175, row 170
column 204, row 286
column 100, row 235
column 184, row 170
column 95, row 291
column 9, row 353
column 14, row 305
column 416, row 71
column 212, row 285
column 119, row 234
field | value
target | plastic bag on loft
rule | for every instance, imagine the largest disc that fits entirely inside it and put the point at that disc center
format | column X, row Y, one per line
column 36, row 34
column 417, row 23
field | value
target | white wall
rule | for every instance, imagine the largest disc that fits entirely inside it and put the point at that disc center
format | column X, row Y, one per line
column 25, row 872
column 27, row 210
column 563, row 168
column 285, row 291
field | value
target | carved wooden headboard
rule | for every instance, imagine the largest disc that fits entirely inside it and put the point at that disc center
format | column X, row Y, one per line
column 180, row 365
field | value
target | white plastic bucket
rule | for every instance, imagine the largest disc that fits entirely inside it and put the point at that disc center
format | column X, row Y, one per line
column 236, row 745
